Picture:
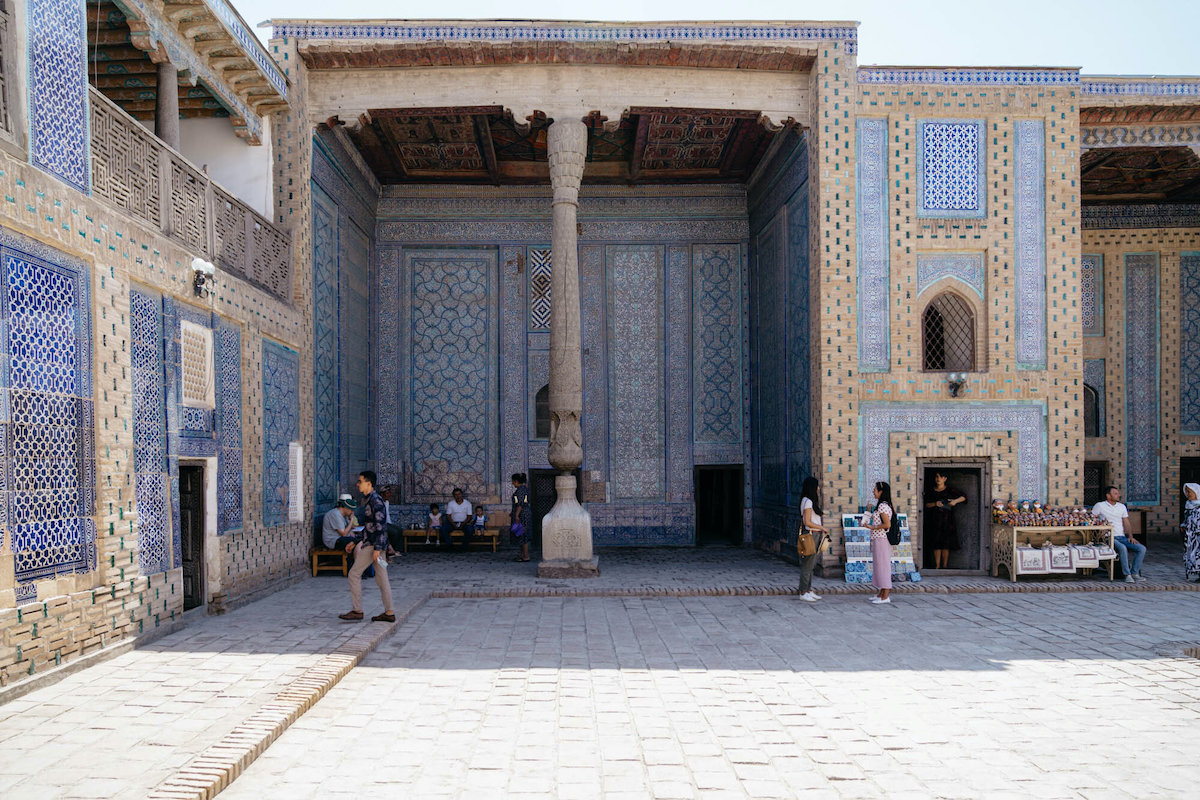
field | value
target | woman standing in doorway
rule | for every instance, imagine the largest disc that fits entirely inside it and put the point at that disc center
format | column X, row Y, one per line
column 881, row 551
column 810, row 514
column 520, row 512
column 1191, row 531
column 941, row 534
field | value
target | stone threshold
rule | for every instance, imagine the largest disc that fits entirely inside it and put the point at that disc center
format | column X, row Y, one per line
column 217, row 767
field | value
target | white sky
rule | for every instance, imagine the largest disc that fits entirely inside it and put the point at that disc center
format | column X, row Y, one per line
column 1136, row 37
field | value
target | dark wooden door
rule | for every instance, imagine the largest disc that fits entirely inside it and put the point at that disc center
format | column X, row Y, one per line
column 191, row 524
column 719, row 499
column 542, row 496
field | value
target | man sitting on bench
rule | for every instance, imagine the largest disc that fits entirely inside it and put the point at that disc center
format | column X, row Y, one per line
column 335, row 527
column 459, row 515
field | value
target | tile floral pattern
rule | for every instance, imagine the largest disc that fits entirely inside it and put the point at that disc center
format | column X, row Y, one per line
column 149, row 432
column 281, row 426
column 874, row 276
column 717, row 346
column 1141, row 379
column 1189, row 342
column 47, row 420
column 1091, row 294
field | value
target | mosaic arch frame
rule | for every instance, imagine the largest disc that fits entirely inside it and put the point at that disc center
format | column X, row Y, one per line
column 878, row 420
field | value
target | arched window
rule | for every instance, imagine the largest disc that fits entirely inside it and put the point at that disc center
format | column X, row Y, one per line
column 949, row 334
column 1091, row 411
column 541, row 413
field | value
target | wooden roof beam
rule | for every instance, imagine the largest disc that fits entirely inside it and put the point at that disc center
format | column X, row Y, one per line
column 639, row 147
column 483, row 136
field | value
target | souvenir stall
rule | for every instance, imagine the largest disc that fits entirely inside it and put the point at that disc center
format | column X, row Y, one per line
column 1029, row 539
column 858, row 551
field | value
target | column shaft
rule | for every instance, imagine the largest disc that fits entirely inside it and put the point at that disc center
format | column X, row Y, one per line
column 166, row 104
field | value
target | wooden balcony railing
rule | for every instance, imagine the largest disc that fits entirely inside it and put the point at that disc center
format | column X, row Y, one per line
column 136, row 172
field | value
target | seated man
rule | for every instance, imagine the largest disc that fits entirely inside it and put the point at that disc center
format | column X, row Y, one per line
column 337, row 525
column 395, row 533
column 1117, row 516
column 459, row 516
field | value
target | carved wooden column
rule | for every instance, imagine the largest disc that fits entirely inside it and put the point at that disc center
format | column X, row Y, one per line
column 166, row 104
column 567, row 529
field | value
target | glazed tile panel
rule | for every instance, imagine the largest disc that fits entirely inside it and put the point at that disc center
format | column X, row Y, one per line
column 149, row 432
column 717, row 352
column 47, row 427
column 229, row 423
column 1091, row 294
column 1189, row 344
column 1031, row 243
column 325, row 349
column 1141, row 379
column 281, row 426
column 637, row 422
column 58, row 93
column 874, row 347
column 950, row 169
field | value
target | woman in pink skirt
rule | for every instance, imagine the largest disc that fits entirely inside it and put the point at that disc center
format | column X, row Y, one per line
column 881, row 551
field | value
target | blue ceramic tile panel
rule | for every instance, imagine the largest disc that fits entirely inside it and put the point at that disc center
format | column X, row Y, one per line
column 47, row 433
column 1030, row 234
column 874, row 277
column 1141, row 379
column 229, row 410
column 950, row 169
column 281, row 426
column 965, row 268
column 58, row 93
column 1189, row 342
column 539, row 289
column 1093, row 376
column 717, row 352
column 354, row 346
column 770, row 337
column 149, row 434
column 799, row 439
column 1091, row 294
column 325, row 349
column 635, row 316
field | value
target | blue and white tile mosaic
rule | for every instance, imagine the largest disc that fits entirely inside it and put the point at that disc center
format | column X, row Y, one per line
column 964, row 268
column 514, row 425
column 229, row 426
column 539, row 288
column 1093, row 376
column 1030, row 251
column 47, row 432
column 325, row 349
column 1091, row 294
column 961, row 77
column 717, row 352
column 1099, row 87
column 281, row 426
column 1141, row 379
column 768, row 358
column 149, row 432
column 637, row 417
column 59, row 141
column 798, row 363
column 1189, row 342
column 1026, row 419
column 678, row 360
column 874, row 275
column 250, row 44
column 950, row 168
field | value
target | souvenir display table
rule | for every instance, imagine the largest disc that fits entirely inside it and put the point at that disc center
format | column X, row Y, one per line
column 1021, row 549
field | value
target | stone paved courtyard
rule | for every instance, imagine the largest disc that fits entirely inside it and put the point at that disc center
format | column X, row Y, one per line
column 963, row 694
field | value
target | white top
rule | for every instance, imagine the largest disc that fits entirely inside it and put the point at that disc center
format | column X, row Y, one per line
column 459, row 511
column 815, row 519
column 1114, row 513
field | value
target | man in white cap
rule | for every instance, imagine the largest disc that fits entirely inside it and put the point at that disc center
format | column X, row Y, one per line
column 338, row 521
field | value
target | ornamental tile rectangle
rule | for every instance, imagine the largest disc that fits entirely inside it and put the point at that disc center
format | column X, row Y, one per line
column 1091, row 294
column 1189, row 342
column 1141, row 379
column 874, row 271
column 717, row 344
column 950, row 162
column 539, row 288
column 58, row 91
column 1030, row 233
column 964, row 268
column 281, row 426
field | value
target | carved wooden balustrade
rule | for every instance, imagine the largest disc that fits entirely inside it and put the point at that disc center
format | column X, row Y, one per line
column 136, row 172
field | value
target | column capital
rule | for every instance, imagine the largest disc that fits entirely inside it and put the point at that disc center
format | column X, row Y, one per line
column 566, row 146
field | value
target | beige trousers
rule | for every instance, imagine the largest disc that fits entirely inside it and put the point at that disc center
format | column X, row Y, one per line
column 364, row 554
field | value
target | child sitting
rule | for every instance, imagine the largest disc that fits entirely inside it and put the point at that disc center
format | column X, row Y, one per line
column 480, row 518
column 434, row 523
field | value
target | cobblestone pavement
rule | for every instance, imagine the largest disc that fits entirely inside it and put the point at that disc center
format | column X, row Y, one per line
column 123, row 726
column 1061, row 696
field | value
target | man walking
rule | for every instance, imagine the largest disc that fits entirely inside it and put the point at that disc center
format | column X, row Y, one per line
column 371, row 548
column 1117, row 516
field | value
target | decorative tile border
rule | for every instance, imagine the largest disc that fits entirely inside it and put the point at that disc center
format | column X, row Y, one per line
column 494, row 31
column 874, row 270
column 678, row 358
column 716, row 345
column 1098, row 87
column 1091, row 299
column 1189, row 342
column 1141, row 379
column 514, row 425
column 1139, row 135
column 1024, row 418
column 229, row 427
column 59, row 135
column 959, row 76
column 249, row 44
column 1093, row 376
column 950, row 159
column 1030, row 250
column 1182, row 215
column 280, row 427
column 966, row 268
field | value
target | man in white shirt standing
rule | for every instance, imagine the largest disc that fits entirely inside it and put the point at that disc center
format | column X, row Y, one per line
column 1117, row 516
column 460, row 515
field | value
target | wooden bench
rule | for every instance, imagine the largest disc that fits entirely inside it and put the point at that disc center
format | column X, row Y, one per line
column 489, row 535
column 339, row 561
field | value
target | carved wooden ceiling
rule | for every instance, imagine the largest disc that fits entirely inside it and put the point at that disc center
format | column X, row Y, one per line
column 484, row 144
column 125, row 73
column 1140, row 175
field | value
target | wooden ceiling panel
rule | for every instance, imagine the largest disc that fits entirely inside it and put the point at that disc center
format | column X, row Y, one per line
column 1140, row 175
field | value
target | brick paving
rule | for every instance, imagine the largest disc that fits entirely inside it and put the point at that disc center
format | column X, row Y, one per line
column 1069, row 696
column 195, row 709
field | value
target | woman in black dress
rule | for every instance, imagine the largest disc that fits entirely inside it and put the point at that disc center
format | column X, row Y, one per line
column 941, row 534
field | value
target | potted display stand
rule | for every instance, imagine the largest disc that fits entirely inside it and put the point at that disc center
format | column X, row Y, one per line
column 1007, row 538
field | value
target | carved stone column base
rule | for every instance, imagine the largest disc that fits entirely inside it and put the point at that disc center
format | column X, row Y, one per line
column 567, row 536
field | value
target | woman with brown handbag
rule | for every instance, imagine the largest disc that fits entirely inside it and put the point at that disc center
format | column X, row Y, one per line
column 812, row 533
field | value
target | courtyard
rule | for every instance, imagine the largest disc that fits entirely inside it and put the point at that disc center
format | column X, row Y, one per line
column 676, row 673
